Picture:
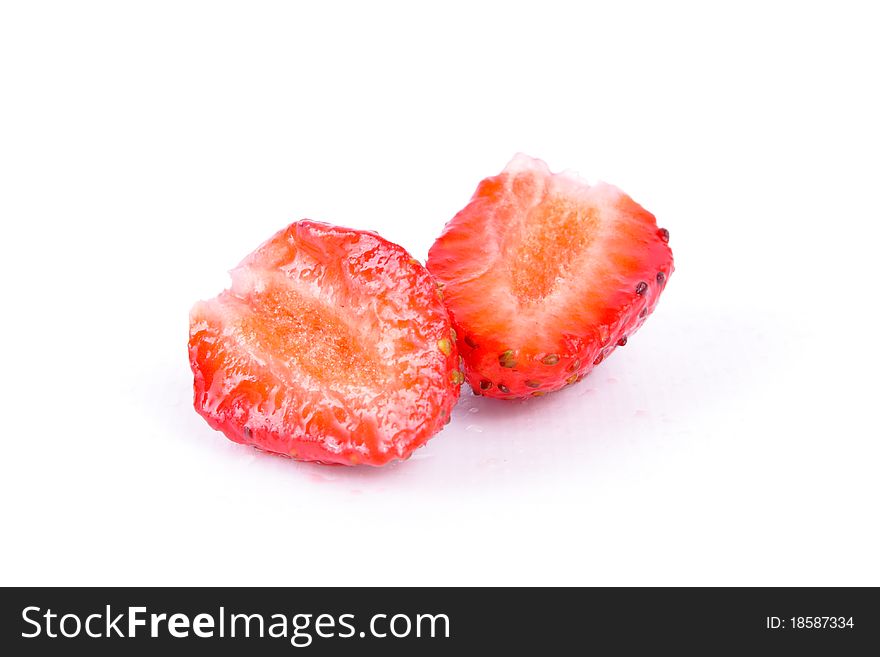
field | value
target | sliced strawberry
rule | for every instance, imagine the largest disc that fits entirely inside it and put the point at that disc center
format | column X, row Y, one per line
column 332, row 345
column 544, row 276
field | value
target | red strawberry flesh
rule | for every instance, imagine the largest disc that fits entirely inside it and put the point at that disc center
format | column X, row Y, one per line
column 332, row 345
column 544, row 276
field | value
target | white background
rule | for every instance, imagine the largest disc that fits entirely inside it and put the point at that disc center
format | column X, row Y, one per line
column 145, row 148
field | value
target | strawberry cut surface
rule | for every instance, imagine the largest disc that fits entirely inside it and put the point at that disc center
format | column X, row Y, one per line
column 331, row 345
column 544, row 276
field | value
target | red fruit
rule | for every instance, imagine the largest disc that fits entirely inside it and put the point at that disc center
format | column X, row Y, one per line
column 332, row 345
column 544, row 275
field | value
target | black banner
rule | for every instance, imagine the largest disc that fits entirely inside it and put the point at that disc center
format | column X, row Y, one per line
column 113, row 621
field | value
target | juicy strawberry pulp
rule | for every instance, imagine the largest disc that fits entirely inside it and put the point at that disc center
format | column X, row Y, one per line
column 545, row 276
column 332, row 345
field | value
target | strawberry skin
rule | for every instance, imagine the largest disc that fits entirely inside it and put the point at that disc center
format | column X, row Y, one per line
column 544, row 276
column 331, row 345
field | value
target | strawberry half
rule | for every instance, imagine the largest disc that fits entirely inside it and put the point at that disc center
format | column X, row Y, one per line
column 544, row 276
column 332, row 345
